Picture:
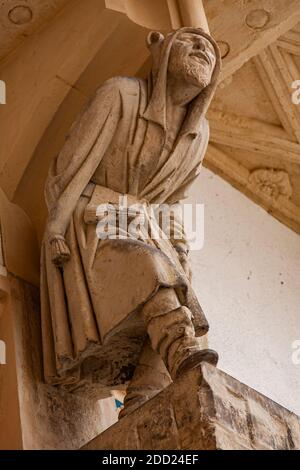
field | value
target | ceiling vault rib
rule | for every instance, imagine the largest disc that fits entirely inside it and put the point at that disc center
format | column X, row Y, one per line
column 277, row 79
column 274, row 148
column 271, row 92
column 292, row 37
column 252, row 135
column 282, row 207
column 257, row 142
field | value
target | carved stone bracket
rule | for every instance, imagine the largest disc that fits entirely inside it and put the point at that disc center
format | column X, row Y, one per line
column 205, row 410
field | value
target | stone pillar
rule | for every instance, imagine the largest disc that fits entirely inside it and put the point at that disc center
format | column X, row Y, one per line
column 187, row 13
column 204, row 410
column 162, row 14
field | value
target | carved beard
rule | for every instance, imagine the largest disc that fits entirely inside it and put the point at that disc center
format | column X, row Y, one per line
column 191, row 70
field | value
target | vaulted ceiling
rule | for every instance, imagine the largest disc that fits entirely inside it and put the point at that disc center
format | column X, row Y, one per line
column 255, row 129
column 54, row 54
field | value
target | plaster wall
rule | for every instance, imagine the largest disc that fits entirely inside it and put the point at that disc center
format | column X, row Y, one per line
column 247, row 278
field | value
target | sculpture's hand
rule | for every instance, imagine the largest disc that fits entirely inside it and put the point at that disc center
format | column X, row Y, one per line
column 184, row 261
column 60, row 252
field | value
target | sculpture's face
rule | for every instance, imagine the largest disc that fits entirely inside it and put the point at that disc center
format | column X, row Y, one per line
column 192, row 58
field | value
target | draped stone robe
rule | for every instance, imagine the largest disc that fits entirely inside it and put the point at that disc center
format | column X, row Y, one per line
column 92, row 330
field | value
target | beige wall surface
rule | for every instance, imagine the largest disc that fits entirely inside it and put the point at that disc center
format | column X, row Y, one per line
column 247, row 278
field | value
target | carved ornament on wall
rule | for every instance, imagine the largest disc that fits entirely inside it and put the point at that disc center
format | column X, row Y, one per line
column 271, row 183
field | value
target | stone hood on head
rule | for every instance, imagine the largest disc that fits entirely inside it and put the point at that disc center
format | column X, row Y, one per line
column 156, row 109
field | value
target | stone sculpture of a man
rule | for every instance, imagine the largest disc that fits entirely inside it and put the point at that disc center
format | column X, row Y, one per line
column 120, row 310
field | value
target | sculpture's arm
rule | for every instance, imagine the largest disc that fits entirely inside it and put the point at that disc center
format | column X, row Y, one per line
column 178, row 237
column 172, row 224
column 83, row 150
column 181, row 243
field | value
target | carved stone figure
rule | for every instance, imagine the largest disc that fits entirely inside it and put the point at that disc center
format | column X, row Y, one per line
column 123, row 309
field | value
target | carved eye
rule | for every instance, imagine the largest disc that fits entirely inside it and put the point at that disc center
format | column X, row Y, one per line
column 190, row 41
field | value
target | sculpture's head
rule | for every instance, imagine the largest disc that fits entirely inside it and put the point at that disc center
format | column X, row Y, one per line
column 191, row 57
